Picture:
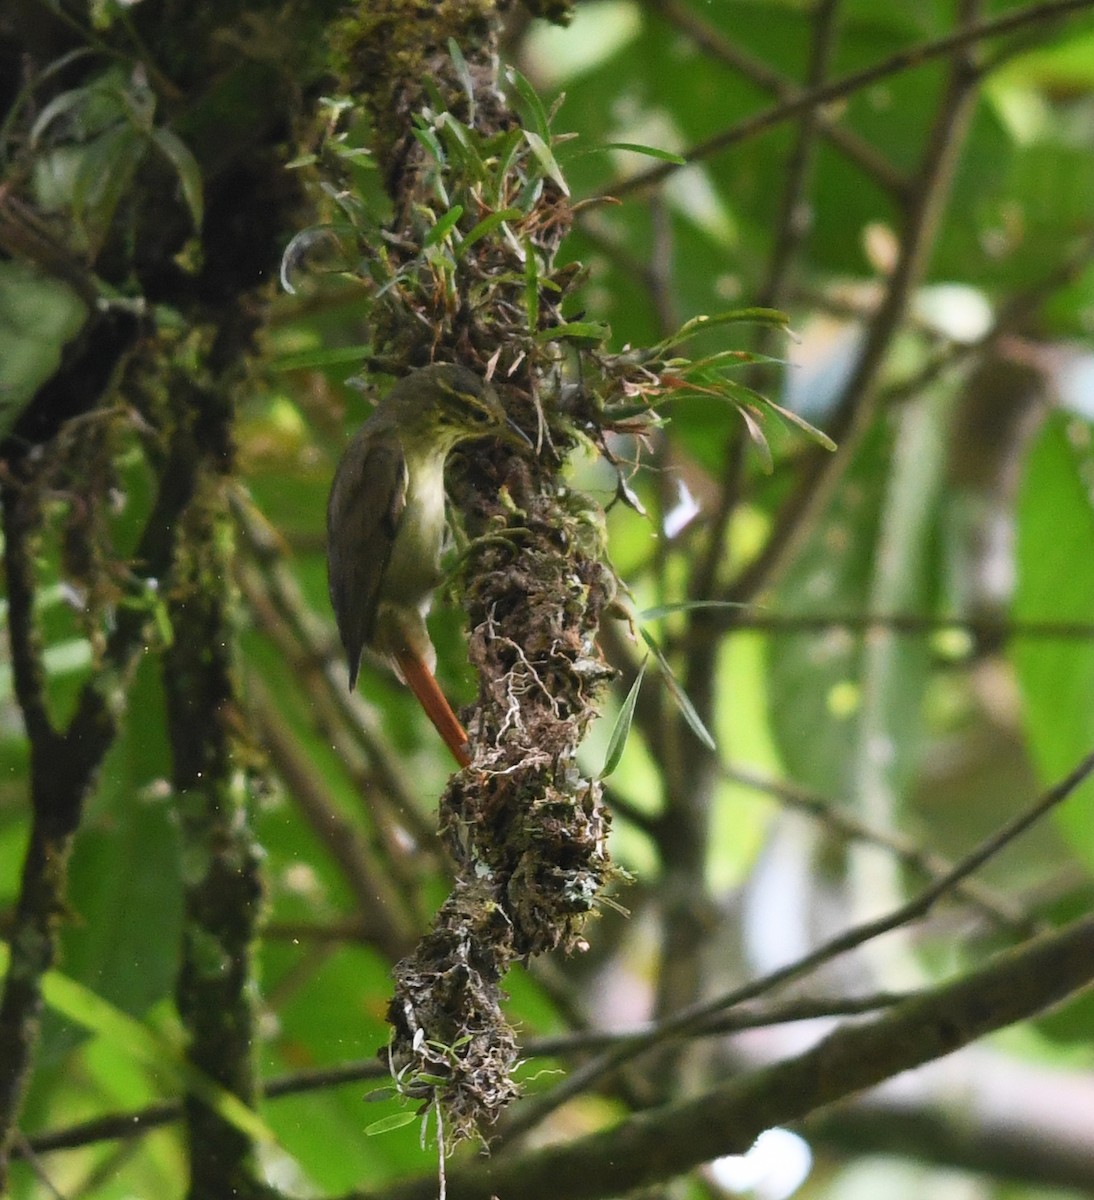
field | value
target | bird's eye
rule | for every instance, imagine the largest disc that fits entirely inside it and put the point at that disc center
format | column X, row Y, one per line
column 478, row 414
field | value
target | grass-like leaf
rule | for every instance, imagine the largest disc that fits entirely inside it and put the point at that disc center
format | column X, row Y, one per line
column 178, row 154
column 463, row 73
column 649, row 151
column 445, row 224
column 321, row 356
column 488, row 225
column 622, row 727
column 547, row 160
column 678, row 694
column 660, row 611
column 593, row 331
column 387, row 1124
column 735, row 316
column 531, row 98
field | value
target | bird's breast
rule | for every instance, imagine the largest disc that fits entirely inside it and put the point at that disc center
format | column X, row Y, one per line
column 413, row 569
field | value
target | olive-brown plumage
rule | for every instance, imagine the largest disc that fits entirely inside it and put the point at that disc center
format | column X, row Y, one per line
column 385, row 525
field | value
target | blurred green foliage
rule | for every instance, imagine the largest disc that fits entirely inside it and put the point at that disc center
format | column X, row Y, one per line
column 939, row 739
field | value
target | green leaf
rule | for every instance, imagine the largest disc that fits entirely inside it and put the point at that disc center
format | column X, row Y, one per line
column 660, row 611
column 38, row 316
column 55, row 109
column 387, row 1124
column 750, row 394
column 649, row 151
column 736, row 316
column 759, row 439
column 186, row 167
column 683, row 703
column 463, row 73
column 445, row 223
column 105, row 170
column 428, row 139
column 811, row 431
column 547, row 160
column 622, row 728
column 488, row 225
column 321, row 356
column 592, row 331
column 535, row 105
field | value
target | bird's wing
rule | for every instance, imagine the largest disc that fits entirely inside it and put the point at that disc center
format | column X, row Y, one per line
column 366, row 505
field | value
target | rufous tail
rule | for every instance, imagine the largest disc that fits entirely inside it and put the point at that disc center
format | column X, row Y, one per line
column 420, row 680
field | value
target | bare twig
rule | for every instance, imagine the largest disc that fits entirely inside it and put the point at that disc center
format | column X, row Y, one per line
column 858, row 403
column 136, row 1122
column 916, row 625
column 696, row 1016
column 857, row 150
column 914, row 56
column 841, row 820
column 661, row 1143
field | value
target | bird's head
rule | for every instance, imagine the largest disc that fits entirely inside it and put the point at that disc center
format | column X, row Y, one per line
column 448, row 403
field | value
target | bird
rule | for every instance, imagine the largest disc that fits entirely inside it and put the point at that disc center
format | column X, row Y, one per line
column 386, row 526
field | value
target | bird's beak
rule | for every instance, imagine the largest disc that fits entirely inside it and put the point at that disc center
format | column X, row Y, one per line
column 518, row 434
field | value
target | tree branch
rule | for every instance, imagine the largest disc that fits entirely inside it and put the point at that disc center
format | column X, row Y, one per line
column 661, row 1143
column 697, row 1015
column 838, row 89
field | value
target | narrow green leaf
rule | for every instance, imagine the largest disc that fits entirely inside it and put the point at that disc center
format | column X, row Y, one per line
column 488, row 225
column 595, row 331
column 506, row 157
column 463, row 73
column 106, row 169
column 531, row 286
column 759, row 439
column 751, row 395
column 321, row 356
column 387, row 1124
column 547, row 160
column 461, row 144
column 678, row 694
column 445, row 224
column 817, row 435
column 178, row 154
column 723, row 360
column 622, row 728
column 55, row 109
column 735, row 316
column 428, row 139
column 649, row 151
column 530, row 97
column 660, row 611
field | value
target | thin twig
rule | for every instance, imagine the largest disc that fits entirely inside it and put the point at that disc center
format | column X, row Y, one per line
column 838, row 818
column 136, row 1122
column 989, row 630
column 789, row 235
column 856, row 149
column 696, row 1016
column 859, row 400
column 914, row 56
column 661, row 1143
